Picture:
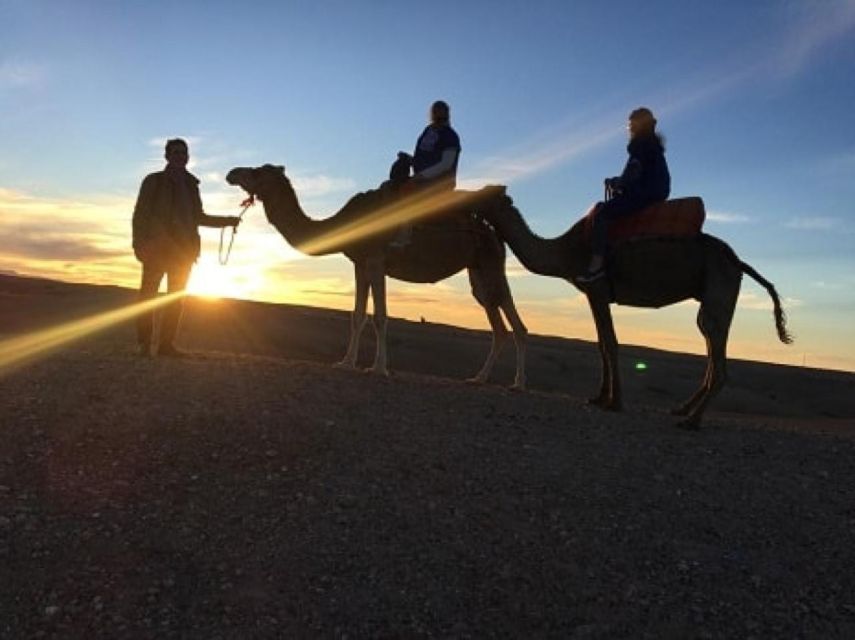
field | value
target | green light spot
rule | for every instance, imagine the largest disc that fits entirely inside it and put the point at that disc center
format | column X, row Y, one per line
column 640, row 366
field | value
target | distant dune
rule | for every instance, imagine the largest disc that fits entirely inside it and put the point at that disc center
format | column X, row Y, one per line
column 252, row 490
column 558, row 365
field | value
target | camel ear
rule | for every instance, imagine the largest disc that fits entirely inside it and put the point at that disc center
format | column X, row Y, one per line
column 281, row 168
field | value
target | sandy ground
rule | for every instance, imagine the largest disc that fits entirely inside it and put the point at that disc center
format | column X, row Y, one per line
column 253, row 491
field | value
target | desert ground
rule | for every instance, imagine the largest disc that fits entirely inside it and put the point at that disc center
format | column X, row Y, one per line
column 253, row 491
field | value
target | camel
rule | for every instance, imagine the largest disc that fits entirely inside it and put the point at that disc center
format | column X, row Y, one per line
column 454, row 239
column 645, row 272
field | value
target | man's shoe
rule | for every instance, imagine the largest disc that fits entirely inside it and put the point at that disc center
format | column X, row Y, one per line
column 169, row 351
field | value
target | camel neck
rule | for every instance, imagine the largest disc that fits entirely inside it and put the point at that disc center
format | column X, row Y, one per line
column 284, row 212
column 544, row 256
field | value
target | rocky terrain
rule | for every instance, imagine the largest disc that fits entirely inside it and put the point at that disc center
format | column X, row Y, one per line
column 253, row 491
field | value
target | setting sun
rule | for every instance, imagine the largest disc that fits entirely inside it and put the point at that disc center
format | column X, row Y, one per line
column 212, row 280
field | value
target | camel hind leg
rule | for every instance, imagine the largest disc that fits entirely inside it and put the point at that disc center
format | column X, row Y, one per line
column 500, row 336
column 520, row 335
column 687, row 407
column 714, row 322
column 491, row 290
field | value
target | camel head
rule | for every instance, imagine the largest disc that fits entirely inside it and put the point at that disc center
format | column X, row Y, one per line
column 257, row 181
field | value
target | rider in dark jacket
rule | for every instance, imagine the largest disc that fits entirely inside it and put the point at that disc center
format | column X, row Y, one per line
column 645, row 180
column 434, row 163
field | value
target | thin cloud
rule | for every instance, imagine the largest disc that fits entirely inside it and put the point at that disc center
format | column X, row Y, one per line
column 209, row 163
column 326, row 292
column 532, row 157
column 787, row 56
column 839, row 164
column 726, row 217
column 57, row 230
column 158, row 145
column 209, row 154
column 513, row 269
column 14, row 73
column 824, row 23
column 409, row 298
column 314, row 186
column 55, row 247
column 790, row 53
column 757, row 302
column 815, row 223
column 829, row 286
column 105, row 213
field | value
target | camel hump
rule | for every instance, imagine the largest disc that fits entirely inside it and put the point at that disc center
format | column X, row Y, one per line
column 493, row 195
column 498, row 192
column 364, row 202
column 680, row 217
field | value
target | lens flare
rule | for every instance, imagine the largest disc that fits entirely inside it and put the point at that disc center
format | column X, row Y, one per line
column 15, row 352
column 425, row 203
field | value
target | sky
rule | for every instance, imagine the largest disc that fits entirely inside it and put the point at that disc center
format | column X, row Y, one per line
column 755, row 100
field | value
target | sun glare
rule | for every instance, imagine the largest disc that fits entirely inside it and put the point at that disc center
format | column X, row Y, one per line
column 16, row 351
column 214, row 281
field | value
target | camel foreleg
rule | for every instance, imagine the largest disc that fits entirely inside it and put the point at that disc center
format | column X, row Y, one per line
column 377, row 279
column 610, row 389
column 357, row 318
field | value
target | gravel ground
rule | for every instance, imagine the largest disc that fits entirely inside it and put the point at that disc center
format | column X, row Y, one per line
column 243, row 496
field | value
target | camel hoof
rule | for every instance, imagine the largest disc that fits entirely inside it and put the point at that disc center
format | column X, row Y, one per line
column 379, row 371
column 517, row 386
column 344, row 365
column 477, row 380
column 680, row 411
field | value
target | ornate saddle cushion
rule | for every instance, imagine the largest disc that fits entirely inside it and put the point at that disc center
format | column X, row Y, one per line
column 678, row 217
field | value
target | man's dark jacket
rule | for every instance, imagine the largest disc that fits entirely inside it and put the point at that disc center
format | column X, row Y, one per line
column 162, row 231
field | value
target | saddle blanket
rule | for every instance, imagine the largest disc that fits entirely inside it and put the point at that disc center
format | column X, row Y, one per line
column 678, row 217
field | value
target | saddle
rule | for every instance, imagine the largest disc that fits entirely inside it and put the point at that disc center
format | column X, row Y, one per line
column 681, row 217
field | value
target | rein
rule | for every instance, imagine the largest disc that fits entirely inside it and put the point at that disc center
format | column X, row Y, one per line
column 223, row 259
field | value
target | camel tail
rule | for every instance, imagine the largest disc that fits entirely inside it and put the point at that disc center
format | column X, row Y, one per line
column 780, row 316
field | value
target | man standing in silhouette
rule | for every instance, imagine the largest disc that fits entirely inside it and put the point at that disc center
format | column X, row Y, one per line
column 166, row 241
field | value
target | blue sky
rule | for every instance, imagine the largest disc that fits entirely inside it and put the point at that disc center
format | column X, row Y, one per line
column 755, row 100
